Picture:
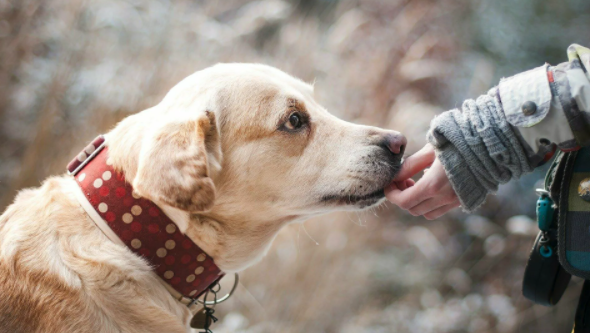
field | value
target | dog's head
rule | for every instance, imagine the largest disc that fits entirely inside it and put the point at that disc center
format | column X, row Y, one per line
column 249, row 147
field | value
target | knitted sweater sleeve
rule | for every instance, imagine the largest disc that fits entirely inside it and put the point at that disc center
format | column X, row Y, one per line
column 478, row 148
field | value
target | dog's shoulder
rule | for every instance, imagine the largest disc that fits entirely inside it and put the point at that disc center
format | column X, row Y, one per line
column 33, row 294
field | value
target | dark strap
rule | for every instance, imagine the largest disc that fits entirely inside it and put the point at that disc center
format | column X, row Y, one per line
column 582, row 320
column 554, row 176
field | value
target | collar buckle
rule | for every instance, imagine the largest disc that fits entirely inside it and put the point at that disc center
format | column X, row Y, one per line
column 86, row 155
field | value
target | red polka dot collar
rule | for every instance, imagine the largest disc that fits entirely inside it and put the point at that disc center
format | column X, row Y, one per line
column 140, row 225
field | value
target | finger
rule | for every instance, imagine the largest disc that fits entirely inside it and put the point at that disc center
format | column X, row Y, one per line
column 433, row 215
column 408, row 198
column 404, row 184
column 416, row 163
column 401, row 185
column 394, row 186
column 427, row 206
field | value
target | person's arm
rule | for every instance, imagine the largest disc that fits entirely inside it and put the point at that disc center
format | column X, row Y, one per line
column 498, row 137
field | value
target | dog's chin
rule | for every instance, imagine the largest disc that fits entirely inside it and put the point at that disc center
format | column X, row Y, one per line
column 355, row 201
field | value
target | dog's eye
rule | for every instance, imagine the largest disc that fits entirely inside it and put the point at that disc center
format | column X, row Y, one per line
column 294, row 122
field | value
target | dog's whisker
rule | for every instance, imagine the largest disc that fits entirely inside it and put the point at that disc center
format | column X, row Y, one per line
column 360, row 222
column 353, row 221
column 308, row 235
column 298, row 232
column 375, row 211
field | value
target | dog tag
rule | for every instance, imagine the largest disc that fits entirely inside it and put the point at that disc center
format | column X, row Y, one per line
column 544, row 279
column 201, row 320
column 545, row 211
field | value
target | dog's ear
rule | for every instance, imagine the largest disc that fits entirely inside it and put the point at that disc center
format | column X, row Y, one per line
column 175, row 160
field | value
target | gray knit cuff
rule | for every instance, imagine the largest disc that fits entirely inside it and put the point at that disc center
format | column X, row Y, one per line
column 470, row 192
column 478, row 148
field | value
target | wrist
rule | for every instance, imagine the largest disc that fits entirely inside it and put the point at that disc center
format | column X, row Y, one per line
column 470, row 192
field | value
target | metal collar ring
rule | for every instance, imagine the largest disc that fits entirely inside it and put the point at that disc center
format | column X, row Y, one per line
column 224, row 298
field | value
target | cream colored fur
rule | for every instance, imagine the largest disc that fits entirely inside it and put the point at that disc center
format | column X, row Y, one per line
column 216, row 156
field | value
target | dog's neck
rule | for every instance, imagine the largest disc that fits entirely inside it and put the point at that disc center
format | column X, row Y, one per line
column 235, row 241
column 233, row 247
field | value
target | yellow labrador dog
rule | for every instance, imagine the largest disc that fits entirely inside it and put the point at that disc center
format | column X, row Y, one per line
column 231, row 155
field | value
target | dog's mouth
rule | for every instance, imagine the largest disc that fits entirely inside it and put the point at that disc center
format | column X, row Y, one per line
column 351, row 197
column 362, row 201
column 370, row 190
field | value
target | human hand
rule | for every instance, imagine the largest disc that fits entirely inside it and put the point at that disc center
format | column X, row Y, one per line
column 432, row 195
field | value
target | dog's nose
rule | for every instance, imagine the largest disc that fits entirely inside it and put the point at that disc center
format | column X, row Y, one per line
column 395, row 142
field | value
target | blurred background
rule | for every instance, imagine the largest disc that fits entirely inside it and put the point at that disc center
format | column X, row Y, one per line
column 70, row 69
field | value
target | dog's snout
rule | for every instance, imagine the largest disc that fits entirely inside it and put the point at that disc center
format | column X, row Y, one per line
column 395, row 142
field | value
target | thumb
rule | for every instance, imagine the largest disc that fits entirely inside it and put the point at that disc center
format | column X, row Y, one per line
column 416, row 163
